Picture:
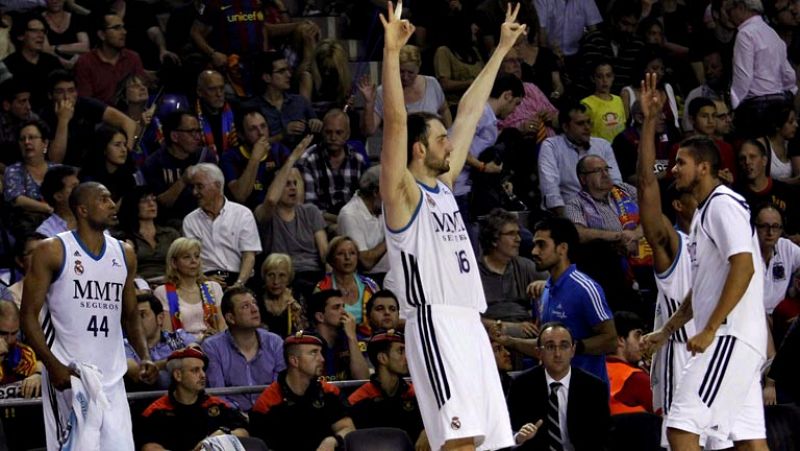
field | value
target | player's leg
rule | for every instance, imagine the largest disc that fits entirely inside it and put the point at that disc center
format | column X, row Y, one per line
column 56, row 406
column 460, row 444
column 117, row 428
column 683, row 440
column 748, row 429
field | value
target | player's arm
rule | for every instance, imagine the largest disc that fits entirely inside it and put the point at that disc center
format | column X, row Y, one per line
column 471, row 105
column 131, row 321
column 47, row 260
column 604, row 340
column 399, row 193
column 661, row 236
column 657, row 338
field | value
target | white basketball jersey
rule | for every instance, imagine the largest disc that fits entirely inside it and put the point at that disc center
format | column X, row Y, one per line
column 721, row 228
column 673, row 286
column 431, row 257
column 82, row 316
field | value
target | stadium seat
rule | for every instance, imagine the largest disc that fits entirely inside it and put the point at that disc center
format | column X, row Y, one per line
column 378, row 439
column 635, row 432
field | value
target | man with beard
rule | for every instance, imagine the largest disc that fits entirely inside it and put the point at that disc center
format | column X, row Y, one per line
column 81, row 288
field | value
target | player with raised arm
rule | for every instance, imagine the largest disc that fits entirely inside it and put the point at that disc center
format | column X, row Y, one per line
column 77, row 299
column 440, row 292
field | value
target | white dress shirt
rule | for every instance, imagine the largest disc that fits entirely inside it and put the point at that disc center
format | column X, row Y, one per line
column 563, row 396
column 225, row 237
column 760, row 66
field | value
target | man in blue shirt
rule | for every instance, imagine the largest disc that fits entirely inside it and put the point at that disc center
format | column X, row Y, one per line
column 571, row 297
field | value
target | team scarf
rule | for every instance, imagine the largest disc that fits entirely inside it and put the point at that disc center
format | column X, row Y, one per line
column 209, row 307
column 628, row 213
column 229, row 136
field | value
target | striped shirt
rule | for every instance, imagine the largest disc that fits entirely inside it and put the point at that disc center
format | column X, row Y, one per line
column 579, row 302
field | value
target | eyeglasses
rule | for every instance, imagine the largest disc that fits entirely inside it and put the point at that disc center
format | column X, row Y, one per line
column 769, row 227
column 551, row 347
column 26, row 138
column 604, row 170
column 192, row 131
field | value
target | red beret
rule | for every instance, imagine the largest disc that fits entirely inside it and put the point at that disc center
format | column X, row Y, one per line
column 303, row 338
column 191, row 351
column 387, row 335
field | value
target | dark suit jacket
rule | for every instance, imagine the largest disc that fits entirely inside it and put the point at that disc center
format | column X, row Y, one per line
column 588, row 416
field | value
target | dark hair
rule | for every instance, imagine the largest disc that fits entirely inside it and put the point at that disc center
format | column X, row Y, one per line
column 507, row 82
column 581, row 165
column 704, row 150
column 699, row 103
column 58, row 76
column 54, row 181
column 226, row 304
column 79, row 194
column 129, row 209
column 10, row 89
column 565, row 113
column 562, row 230
column 647, row 23
column 375, row 348
column 601, row 62
column 40, row 125
column 173, row 122
column 243, row 114
column 649, row 54
column 776, row 116
column 553, row 325
column 264, row 64
column 626, row 322
column 20, row 26
column 318, row 302
column 625, row 8
column 19, row 245
column 102, row 138
column 381, row 294
column 418, row 130
column 492, row 224
column 155, row 304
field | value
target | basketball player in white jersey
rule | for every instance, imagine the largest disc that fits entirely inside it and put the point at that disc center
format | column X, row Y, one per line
column 719, row 393
column 449, row 354
column 78, row 297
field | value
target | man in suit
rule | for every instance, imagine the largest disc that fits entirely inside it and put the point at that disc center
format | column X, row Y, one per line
column 572, row 403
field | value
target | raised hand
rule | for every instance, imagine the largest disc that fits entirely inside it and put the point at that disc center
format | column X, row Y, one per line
column 301, row 146
column 367, row 88
column 651, row 99
column 510, row 31
column 396, row 31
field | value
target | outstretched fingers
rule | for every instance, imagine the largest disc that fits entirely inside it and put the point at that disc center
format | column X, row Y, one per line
column 511, row 16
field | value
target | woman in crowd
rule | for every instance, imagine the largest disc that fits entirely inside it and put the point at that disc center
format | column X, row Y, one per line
column 457, row 63
column 539, row 65
column 653, row 62
column 22, row 181
column 421, row 93
column 356, row 289
column 132, row 98
column 281, row 312
column 331, row 74
column 110, row 163
column 781, row 128
column 191, row 301
column 66, row 33
column 137, row 218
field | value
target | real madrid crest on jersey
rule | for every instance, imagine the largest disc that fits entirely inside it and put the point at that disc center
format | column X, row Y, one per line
column 78, row 268
column 778, row 271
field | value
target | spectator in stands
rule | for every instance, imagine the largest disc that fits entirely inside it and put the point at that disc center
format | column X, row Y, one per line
column 356, row 289
column 166, row 171
column 458, row 62
column 132, row 99
column 22, row 181
column 191, row 300
column 16, row 102
column 361, row 219
column 144, row 32
column 227, row 229
column 615, row 41
column 289, row 116
column 331, row 169
column 572, row 404
column 300, row 410
column 111, row 164
column 421, row 93
column 137, row 217
column 573, row 297
column 502, row 358
column 604, row 108
column 762, row 75
column 23, row 252
column 186, row 415
column 559, row 155
column 713, row 87
column 333, row 82
column 387, row 400
column 215, row 114
column 630, row 385
column 535, row 110
column 98, row 72
column 56, row 188
column 781, row 128
column 383, row 311
column 651, row 61
column 250, row 167
column 292, row 227
column 724, row 120
column 73, row 120
column 245, row 354
column 280, row 310
column 30, row 63
column 702, row 114
column 781, row 256
column 18, row 359
column 221, row 30
column 758, row 188
column 626, row 146
column 506, row 276
column 67, row 36
column 338, row 328
column 159, row 342
column 566, row 24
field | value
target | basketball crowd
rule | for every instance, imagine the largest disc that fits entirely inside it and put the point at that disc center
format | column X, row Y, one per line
column 240, row 140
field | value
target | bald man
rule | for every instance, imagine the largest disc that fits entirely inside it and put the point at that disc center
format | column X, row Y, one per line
column 77, row 299
column 215, row 114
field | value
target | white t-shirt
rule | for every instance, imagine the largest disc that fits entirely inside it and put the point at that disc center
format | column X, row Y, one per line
column 778, row 272
column 720, row 229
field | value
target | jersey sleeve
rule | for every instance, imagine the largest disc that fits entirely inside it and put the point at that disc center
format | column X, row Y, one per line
column 595, row 309
column 727, row 222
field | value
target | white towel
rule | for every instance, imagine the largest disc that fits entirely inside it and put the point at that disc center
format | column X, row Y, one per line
column 221, row 443
column 89, row 402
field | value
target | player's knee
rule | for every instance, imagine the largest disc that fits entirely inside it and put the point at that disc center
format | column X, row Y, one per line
column 460, row 444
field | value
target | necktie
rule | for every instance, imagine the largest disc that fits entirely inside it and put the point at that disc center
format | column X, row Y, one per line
column 553, row 428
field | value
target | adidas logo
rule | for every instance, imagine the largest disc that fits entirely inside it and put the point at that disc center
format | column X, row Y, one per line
column 76, row 254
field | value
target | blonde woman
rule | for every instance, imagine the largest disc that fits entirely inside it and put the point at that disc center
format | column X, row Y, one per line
column 191, row 300
column 331, row 73
column 281, row 312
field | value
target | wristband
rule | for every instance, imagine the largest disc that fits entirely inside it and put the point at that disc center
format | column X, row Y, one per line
column 579, row 347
